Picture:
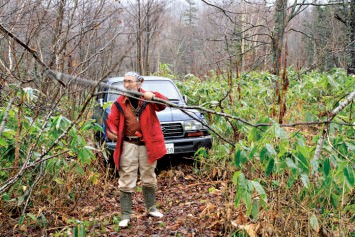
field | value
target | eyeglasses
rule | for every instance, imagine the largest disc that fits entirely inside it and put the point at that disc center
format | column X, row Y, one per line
column 129, row 81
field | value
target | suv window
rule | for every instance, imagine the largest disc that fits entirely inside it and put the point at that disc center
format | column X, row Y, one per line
column 166, row 88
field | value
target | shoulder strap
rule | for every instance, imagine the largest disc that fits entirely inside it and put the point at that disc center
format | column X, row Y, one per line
column 118, row 106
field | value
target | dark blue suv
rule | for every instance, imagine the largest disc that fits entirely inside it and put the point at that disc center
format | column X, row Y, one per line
column 183, row 134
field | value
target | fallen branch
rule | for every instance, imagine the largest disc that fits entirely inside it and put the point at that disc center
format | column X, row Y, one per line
column 321, row 140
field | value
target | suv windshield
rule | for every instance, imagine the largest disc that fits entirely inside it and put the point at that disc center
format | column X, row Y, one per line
column 166, row 88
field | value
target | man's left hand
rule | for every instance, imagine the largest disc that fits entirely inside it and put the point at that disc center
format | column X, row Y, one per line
column 148, row 95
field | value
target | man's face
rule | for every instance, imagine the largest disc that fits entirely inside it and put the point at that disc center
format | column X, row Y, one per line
column 131, row 83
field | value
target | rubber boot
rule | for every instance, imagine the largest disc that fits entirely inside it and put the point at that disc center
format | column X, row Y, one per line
column 126, row 208
column 149, row 200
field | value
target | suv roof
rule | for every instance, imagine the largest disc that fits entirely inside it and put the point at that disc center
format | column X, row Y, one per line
column 146, row 78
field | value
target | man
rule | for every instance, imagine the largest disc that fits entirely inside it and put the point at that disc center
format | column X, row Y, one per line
column 134, row 125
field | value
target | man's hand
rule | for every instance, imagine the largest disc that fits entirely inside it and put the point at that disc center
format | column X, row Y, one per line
column 111, row 136
column 148, row 95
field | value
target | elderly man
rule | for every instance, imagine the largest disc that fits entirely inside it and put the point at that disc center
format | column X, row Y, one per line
column 133, row 123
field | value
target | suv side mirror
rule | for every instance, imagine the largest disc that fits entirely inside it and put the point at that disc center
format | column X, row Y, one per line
column 101, row 102
column 185, row 98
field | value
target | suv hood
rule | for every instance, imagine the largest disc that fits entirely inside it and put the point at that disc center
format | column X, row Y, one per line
column 171, row 114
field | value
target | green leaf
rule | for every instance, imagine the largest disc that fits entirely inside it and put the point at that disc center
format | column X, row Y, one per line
column 326, row 166
column 85, row 155
column 240, row 157
column 238, row 196
column 237, row 157
column 277, row 130
column 3, row 142
column 280, row 132
column 107, row 105
column 283, row 147
column 236, row 176
column 291, row 181
column 79, row 169
column 314, row 223
column 290, row 163
column 81, row 231
column 269, row 167
column 87, row 126
column 61, row 123
column 270, row 149
column 263, row 154
column 305, row 180
column 259, row 188
column 33, row 217
column 334, row 199
column 252, row 152
column 242, row 182
column 302, row 161
column 58, row 181
column 255, row 209
column 6, row 197
column 8, row 133
column 303, row 151
column 349, row 175
column 20, row 221
column 248, row 202
column 350, row 146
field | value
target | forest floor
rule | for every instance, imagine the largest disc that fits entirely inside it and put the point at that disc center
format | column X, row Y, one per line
column 191, row 206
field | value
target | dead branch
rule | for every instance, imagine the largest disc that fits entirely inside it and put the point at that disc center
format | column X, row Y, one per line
column 332, row 115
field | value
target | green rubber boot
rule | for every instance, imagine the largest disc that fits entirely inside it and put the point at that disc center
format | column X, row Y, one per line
column 149, row 200
column 126, row 208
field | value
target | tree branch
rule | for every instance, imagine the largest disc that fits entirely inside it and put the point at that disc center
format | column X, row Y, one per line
column 221, row 9
column 31, row 51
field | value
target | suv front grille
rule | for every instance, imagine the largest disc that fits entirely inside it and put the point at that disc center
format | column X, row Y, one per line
column 172, row 130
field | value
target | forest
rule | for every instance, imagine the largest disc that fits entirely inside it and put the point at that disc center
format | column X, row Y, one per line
column 275, row 81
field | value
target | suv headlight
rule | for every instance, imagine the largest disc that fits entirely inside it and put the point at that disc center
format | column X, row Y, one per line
column 192, row 125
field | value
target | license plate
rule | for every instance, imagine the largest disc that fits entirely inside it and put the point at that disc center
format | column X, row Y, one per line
column 169, row 148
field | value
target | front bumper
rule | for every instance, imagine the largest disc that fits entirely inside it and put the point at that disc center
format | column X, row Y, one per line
column 181, row 145
column 189, row 145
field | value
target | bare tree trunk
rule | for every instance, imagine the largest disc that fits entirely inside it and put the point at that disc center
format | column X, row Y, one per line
column 278, row 34
column 351, row 67
column 243, row 36
column 148, row 34
column 58, row 32
column 158, row 53
column 139, row 39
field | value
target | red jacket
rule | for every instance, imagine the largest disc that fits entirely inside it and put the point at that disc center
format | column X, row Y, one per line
column 149, row 123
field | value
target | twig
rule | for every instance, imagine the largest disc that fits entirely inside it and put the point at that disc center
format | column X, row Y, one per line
column 38, row 177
